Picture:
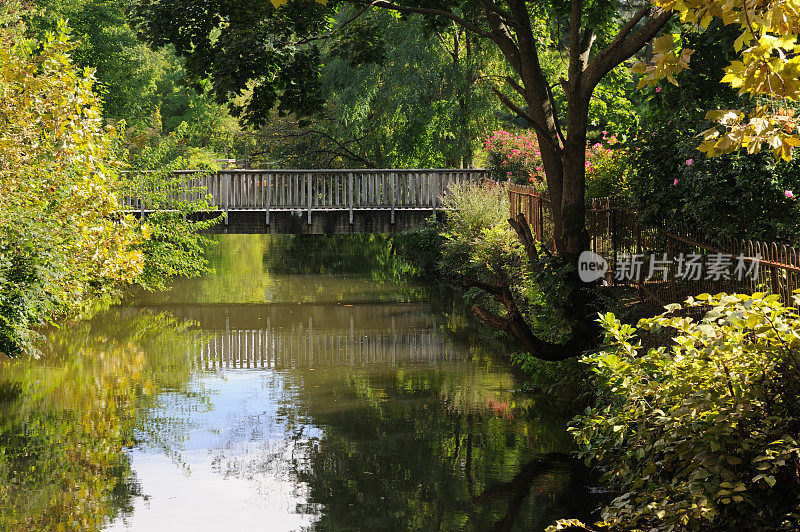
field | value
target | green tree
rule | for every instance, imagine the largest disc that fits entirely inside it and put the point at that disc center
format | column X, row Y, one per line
column 283, row 58
column 62, row 242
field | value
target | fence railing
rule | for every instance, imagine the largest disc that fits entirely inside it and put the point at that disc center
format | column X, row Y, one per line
column 616, row 235
column 312, row 190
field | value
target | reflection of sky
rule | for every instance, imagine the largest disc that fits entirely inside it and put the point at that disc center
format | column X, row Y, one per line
column 241, row 454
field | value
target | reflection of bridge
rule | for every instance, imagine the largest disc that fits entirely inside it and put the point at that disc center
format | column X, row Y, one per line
column 281, row 336
column 316, row 201
column 305, row 347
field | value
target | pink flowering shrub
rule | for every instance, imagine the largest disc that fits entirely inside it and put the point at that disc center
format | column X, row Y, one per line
column 517, row 158
column 514, row 157
column 607, row 172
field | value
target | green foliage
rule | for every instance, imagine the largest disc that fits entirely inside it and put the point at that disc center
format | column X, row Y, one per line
column 700, row 435
column 250, row 49
column 174, row 246
column 63, row 244
column 422, row 246
column 739, row 195
column 479, row 244
column 397, row 94
column 410, row 94
column 133, row 80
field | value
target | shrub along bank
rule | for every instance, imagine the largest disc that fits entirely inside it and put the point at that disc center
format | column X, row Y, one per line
column 700, row 434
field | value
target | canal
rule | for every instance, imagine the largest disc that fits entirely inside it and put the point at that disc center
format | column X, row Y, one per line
column 299, row 387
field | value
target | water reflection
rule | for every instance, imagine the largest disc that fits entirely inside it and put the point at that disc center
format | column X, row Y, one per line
column 267, row 414
column 66, row 418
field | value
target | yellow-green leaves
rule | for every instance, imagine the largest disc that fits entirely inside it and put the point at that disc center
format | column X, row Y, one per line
column 701, row 435
column 58, row 188
column 763, row 126
column 768, row 66
column 667, row 61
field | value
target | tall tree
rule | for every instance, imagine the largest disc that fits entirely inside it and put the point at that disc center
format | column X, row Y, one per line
column 261, row 54
column 270, row 56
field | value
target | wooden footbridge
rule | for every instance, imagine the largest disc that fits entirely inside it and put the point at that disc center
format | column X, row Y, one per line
column 315, row 201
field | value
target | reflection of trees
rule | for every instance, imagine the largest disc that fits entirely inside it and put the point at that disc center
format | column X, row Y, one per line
column 408, row 454
column 241, row 277
column 539, row 474
column 334, row 254
column 419, row 449
column 291, row 268
column 65, row 420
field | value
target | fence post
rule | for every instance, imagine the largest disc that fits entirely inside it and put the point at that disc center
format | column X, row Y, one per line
column 614, row 234
column 433, row 189
column 141, row 199
column 394, row 190
column 671, row 270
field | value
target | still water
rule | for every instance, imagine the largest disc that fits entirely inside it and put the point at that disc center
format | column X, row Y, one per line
column 297, row 388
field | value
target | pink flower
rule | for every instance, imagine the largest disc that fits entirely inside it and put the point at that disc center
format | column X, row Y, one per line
column 539, row 168
column 789, row 194
column 675, row 182
column 689, row 162
column 658, row 89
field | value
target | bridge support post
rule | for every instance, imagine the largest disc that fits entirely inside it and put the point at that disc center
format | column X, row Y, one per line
column 394, row 191
column 308, row 177
column 268, row 198
column 351, row 185
column 226, row 194
column 433, row 190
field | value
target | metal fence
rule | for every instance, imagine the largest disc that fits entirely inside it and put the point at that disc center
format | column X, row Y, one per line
column 667, row 253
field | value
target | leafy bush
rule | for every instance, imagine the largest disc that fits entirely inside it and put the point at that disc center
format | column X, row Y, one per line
column 174, row 246
column 701, row 435
column 479, row 244
column 517, row 158
column 739, row 196
column 63, row 244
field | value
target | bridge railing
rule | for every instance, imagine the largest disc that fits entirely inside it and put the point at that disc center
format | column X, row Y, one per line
column 316, row 190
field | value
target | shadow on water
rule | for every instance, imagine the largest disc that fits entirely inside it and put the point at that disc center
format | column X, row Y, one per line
column 303, row 396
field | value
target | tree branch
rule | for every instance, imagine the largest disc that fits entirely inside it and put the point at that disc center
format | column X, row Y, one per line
column 528, row 118
column 516, row 326
column 523, row 229
column 622, row 49
column 626, row 29
column 384, row 4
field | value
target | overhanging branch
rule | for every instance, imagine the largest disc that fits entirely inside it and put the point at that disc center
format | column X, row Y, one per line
column 522, row 114
column 384, row 4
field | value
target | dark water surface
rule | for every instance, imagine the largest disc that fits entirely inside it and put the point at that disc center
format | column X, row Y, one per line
column 319, row 400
